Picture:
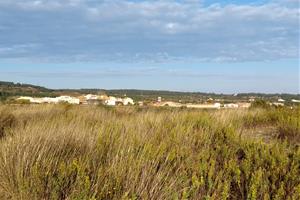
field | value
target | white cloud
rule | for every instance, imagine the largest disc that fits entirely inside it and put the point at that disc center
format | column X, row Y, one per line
column 7, row 51
column 42, row 4
column 120, row 30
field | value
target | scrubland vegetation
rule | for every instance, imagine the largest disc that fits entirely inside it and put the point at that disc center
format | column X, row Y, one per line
column 85, row 152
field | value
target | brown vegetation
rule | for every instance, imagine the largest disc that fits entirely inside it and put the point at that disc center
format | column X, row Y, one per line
column 78, row 152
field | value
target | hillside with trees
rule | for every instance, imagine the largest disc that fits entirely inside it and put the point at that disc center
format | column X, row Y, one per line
column 10, row 89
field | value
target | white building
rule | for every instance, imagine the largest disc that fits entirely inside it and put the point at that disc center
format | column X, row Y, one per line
column 111, row 101
column 231, row 105
column 127, row 101
column 295, row 101
column 91, row 96
column 67, row 99
column 281, row 100
column 30, row 99
column 49, row 100
column 277, row 104
column 25, row 98
column 217, row 105
column 204, row 106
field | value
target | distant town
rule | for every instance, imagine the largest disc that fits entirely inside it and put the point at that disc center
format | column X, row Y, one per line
column 93, row 99
column 16, row 93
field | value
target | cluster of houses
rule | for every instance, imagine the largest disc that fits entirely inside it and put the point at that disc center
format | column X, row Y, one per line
column 281, row 102
column 61, row 99
column 93, row 99
column 211, row 105
column 203, row 106
column 106, row 100
column 87, row 99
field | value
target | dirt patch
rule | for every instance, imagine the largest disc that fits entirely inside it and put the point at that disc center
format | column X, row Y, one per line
column 265, row 133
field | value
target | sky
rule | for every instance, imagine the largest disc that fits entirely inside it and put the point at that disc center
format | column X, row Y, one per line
column 227, row 46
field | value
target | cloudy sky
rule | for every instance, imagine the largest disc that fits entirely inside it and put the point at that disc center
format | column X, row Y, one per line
column 224, row 46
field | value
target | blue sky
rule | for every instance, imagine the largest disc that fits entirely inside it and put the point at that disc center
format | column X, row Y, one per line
column 224, row 46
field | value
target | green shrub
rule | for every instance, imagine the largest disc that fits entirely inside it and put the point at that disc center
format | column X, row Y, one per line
column 83, row 152
column 289, row 128
column 259, row 103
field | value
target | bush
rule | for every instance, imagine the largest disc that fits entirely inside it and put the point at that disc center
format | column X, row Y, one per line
column 7, row 120
column 260, row 104
column 289, row 128
column 127, row 153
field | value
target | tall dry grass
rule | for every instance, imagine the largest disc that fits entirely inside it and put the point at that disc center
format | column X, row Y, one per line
column 77, row 152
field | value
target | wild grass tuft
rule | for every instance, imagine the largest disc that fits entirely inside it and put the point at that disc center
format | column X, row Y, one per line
column 77, row 152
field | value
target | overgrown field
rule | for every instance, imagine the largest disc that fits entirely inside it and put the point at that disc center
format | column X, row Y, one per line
column 86, row 152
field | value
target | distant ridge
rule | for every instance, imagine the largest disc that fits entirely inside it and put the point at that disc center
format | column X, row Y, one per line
column 9, row 89
column 22, row 85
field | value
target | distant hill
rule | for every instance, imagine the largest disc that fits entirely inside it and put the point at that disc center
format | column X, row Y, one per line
column 10, row 89
column 27, row 87
column 197, row 96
